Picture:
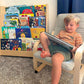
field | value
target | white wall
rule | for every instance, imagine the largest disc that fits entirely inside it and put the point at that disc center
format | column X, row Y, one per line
column 52, row 5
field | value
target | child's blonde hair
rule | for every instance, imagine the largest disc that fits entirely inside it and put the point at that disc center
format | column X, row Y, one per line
column 68, row 18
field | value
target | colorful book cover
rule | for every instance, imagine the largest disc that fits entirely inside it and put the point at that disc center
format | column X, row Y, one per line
column 40, row 10
column 11, row 16
column 23, row 32
column 15, row 44
column 5, row 34
column 6, row 23
column 42, row 21
column 8, row 32
column 10, row 22
column 5, row 44
column 12, row 10
column 14, row 22
column 33, row 22
column 11, row 32
column 35, row 32
column 27, row 44
column 26, row 10
column 23, row 20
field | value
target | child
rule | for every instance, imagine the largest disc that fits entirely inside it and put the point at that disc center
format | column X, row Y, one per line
column 58, row 53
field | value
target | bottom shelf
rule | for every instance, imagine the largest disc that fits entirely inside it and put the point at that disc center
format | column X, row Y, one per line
column 16, row 53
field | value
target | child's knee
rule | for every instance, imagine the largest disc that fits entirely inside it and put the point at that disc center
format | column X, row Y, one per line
column 43, row 35
column 57, row 58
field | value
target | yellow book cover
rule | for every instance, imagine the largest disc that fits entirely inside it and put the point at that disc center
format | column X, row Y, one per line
column 35, row 32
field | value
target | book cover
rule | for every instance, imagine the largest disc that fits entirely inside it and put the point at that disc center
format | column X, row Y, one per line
column 11, row 16
column 10, row 22
column 15, row 44
column 26, row 9
column 40, row 10
column 11, row 32
column 33, row 22
column 23, row 32
column 5, row 34
column 12, row 10
column 5, row 44
column 8, row 32
column 27, row 44
column 24, row 19
column 35, row 32
column 42, row 21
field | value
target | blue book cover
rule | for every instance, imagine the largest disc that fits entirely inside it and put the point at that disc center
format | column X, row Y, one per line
column 23, row 32
column 5, row 44
column 15, row 44
column 42, row 21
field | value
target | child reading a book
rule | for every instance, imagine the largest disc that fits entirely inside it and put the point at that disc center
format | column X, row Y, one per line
column 59, row 53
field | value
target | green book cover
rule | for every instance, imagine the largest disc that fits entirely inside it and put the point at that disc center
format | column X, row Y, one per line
column 8, row 32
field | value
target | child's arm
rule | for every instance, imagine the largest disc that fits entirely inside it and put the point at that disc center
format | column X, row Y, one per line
column 78, row 42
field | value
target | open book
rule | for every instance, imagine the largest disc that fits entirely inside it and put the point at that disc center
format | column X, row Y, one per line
column 59, row 41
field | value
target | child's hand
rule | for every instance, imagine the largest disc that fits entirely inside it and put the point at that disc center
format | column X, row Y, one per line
column 74, row 49
column 56, row 36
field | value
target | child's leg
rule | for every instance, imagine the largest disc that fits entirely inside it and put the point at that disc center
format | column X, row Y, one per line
column 57, row 60
column 45, row 42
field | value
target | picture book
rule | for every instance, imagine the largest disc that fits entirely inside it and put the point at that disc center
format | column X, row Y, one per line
column 24, row 19
column 6, row 23
column 12, row 10
column 8, row 32
column 14, row 22
column 15, row 44
column 5, row 44
column 10, row 22
column 11, row 16
column 27, row 44
column 42, row 21
column 35, row 32
column 23, row 32
column 40, row 10
column 5, row 34
column 33, row 22
column 26, row 9
column 59, row 41
column 11, row 32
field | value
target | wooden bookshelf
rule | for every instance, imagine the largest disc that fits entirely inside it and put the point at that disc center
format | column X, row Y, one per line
column 13, row 52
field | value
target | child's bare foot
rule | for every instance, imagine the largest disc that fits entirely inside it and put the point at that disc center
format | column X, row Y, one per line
column 45, row 54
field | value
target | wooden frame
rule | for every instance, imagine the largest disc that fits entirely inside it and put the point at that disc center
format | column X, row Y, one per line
column 12, row 52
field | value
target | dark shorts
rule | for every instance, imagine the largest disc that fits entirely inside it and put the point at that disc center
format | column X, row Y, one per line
column 56, row 48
